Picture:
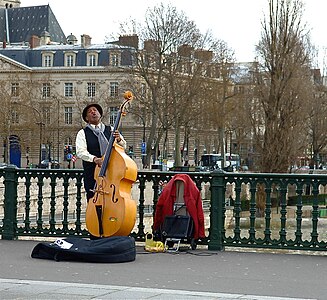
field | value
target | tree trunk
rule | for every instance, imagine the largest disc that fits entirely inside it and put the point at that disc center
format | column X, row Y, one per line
column 178, row 159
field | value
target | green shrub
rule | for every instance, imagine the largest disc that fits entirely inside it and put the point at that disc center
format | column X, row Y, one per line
column 307, row 200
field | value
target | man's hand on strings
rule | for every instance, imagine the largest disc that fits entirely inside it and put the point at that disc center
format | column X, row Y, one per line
column 117, row 136
column 97, row 161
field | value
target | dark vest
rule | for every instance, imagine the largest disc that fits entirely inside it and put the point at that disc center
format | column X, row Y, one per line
column 93, row 147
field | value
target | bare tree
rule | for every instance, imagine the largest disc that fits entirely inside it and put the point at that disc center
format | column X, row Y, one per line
column 165, row 30
column 242, row 113
column 18, row 124
column 283, row 89
column 317, row 119
column 223, row 88
column 283, row 83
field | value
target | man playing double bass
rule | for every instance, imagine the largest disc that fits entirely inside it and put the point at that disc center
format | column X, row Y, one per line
column 91, row 143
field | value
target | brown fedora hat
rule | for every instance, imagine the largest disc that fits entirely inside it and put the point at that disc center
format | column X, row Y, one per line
column 97, row 106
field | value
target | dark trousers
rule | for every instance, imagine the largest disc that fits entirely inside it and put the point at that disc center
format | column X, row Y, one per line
column 89, row 186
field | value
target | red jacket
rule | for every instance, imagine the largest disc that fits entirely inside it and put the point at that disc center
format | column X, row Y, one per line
column 192, row 200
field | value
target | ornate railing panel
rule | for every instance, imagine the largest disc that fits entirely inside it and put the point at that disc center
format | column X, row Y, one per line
column 280, row 211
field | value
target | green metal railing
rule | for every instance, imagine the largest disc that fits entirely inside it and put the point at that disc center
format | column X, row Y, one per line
column 279, row 211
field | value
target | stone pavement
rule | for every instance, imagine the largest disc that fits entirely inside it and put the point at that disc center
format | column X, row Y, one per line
column 27, row 289
column 196, row 274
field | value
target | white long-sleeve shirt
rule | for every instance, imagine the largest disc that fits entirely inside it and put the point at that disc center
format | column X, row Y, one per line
column 81, row 146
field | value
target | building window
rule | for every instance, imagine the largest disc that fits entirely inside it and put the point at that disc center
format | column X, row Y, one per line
column 113, row 89
column 69, row 60
column 45, row 90
column 46, row 115
column 91, row 89
column 68, row 115
column 47, row 59
column 114, row 59
column 113, row 115
column 68, row 89
column 239, row 89
column 92, row 59
column 15, row 89
column 14, row 117
column 68, row 141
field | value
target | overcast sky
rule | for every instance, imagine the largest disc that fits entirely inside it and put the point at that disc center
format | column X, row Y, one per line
column 235, row 21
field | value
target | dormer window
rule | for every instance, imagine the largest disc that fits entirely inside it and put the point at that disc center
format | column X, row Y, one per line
column 92, row 59
column 70, row 59
column 47, row 59
column 115, row 59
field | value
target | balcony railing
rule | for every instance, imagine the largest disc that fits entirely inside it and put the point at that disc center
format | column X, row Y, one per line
column 279, row 211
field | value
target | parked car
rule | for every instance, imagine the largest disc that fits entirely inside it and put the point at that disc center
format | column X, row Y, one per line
column 5, row 165
column 45, row 164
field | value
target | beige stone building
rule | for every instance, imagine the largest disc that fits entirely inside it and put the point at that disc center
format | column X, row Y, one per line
column 47, row 79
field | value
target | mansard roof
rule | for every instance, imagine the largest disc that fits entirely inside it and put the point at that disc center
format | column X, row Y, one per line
column 33, row 57
column 23, row 22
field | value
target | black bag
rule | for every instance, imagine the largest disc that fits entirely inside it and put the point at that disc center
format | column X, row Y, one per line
column 108, row 250
column 177, row 226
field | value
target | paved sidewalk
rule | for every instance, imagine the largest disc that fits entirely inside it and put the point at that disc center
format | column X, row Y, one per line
column 198, row 274
column 27, row 289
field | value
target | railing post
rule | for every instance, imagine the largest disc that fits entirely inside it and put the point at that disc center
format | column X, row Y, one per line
column 10, row 204
column 216, row 215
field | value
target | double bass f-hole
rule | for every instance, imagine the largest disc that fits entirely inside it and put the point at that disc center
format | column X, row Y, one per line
column 96, row 194
column 113, row 193
column 95, row 199
column 98, row 191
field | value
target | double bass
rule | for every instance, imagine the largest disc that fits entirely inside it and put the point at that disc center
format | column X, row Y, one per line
column 111, row 211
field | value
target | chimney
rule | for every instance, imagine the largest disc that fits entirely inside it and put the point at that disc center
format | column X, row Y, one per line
column 152, row 46
column 85, row 40
column 185, row 50
column 203, row 55
column 129, row 40
column 35, row 41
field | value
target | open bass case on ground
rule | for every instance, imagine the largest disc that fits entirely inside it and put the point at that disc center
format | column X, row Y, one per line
column 113, row 249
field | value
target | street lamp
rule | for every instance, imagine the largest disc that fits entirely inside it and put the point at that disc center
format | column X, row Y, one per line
column 27, row 156
column 41, row 124
column 228, row 148
column 58, row 128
